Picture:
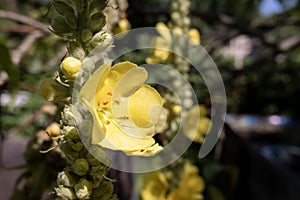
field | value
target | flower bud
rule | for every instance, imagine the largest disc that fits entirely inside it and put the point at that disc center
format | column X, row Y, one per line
column 71, row 20
column 80, row 167
column 176, row 16
column 53, row 129
column 96, row 22
column 67, row 179
column 98, row 172
column 70, row 67
column 103, row 191
column 51, row 90
column 86, row 35
column 77, row 146
column 68, row 150
column 92, row 160
column 83, row 189
column 60, row 26
column 96, row 6
column 100, row 42
column 70, row 132
column 75, row 50
column 65, row 193
column 61, row 7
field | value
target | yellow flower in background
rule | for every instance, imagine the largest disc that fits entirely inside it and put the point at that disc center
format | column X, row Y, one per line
column 121, row 26
column 190, row 186
column 156, row 186
column 163, row 43
column 194, row 35
column 124, row 109
column 198, row 111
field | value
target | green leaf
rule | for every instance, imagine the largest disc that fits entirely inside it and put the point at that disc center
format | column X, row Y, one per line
column 7, row 65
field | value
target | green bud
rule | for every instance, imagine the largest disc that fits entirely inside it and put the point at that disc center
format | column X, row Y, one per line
column 103, row 191
column 68, row 150
column 62, row 8
column 96, row 22
column 71, row 20
column 86, row 35
column 60, row 26
column 80, row 167
column 53, row 91
column 96, row 6
column 98, row 171
column 70, row 132
column 100, row 42
column 92, row 160
column 77, row 146
column 65, row 193
column 83, row 189
column 67, row 179
column 75, row 50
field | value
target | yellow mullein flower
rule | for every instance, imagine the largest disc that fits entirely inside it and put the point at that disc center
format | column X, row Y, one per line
column 164, row 41
column 124, row 109
column 156, row 186
column 190, row 186
column 203, row 124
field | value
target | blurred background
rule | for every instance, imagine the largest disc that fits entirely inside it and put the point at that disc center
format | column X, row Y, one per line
column 254, row 43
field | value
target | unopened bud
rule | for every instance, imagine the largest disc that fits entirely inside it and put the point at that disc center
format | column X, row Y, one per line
column 61, row 7
column 86, row 35
column 75, row 50
column 67, row 179
column 65, row 193
column 83, row 189
column 103, row 191
column 71, row 20
column 53, row 129
column 100, row 42
column 80, row 167
column 60, row 26
column 70, row 132
column 96, row 22
column 70, row 67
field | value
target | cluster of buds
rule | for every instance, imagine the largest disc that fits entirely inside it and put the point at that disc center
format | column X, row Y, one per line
column 78, row 19
column 81, row 23
column 85, row 177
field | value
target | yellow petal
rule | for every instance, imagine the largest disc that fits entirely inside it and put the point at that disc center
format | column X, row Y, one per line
column 116, row 139
column 194, row 35
column 145, row 106
column 146, row 152
column 105, row 88
column 164, row 31
column 125, row 86
column 90, row 87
